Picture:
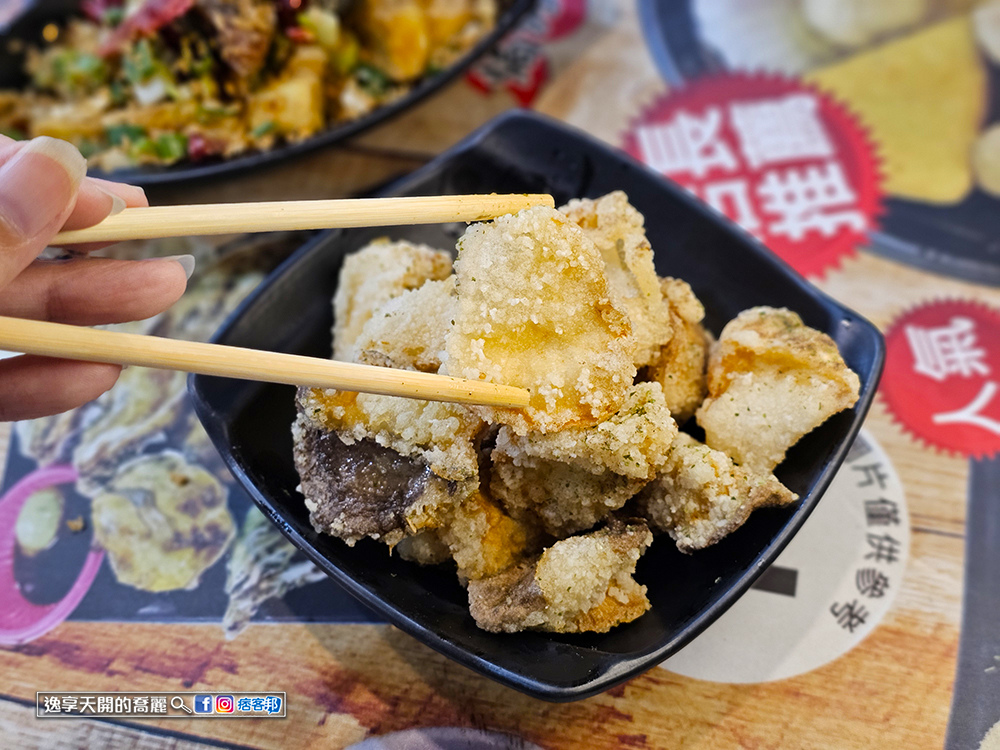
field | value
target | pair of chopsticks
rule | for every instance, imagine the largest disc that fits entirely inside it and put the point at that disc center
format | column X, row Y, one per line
column 92, row 345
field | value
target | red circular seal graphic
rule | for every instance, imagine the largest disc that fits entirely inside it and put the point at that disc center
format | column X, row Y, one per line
column 777, row 156
column 942, row 376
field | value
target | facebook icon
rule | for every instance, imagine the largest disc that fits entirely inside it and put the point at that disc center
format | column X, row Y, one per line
column 203, row 704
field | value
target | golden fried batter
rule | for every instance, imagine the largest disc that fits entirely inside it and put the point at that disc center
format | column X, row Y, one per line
column 375, row 274
column 679, row 367
column 771, row 380
column 408, row 332
column 633, row 442
column 561, row 498
column 442, row 435
column 580, row 584
column 535, row 311
column 616, row 228
column 163, row 522
column 701, row 496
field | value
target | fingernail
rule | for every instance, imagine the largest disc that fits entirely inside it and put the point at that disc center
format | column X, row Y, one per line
column 117, row 203
column 186, row 261
column 34, row 193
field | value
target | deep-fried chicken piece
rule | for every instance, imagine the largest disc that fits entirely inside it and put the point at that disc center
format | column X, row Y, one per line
column 701, row 496
column 680, row 365
column 616, row 228
column 408, row 332
column 580, row 584
column 771, row 380
column 535, row 311
column 372, row 276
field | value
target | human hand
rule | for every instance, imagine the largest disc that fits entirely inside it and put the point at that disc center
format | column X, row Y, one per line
column 43, row 189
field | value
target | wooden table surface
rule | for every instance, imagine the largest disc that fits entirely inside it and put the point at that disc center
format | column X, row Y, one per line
column 346, row 682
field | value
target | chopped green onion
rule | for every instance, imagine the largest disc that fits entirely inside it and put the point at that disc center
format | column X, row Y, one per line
column 371, row 79
column 263, row 129
column 171, row 147
column 119, row 134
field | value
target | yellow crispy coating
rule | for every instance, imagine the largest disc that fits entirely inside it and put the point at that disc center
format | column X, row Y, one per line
column 580, row 584
column 442, row 435
column 616, row 228
column 701, row 496
column 679, row 367
column 483, row 540
column 535, row 311
column 771, row 380
column 632, row 442
column 408, row 332
column 163, row 522
column 561, row 498
column 375, row 274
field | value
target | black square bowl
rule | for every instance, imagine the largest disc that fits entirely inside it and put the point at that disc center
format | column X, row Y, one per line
column 729, row 271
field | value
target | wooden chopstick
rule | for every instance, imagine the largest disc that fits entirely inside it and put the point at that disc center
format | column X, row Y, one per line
column 225, row 218
column 93, row 345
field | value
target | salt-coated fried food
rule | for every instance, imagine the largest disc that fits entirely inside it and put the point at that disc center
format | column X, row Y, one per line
column 374, row 275
column 771, row 380
column 535, row 311
column 571, row 479
column 163, row 522
column 702, row 496
column 616, row 228
column 633, row 442
column 679, row 367
column 580, row 584
column 567, row 306
column 408, row 332
column 363, row 489
column 442, row 435
column 560, row 498
column 483, row 540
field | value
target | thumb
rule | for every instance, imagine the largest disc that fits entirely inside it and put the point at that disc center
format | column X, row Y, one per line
column 38, row 188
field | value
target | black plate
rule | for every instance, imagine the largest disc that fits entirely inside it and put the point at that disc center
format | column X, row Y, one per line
column 730, row 271
column 28, row 27
column 960, row 240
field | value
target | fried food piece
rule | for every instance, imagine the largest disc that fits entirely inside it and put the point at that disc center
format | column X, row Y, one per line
column 163, row 522
column 483, row 540
column 409, row 331
column 443, row 435
column 424, row 548
column 771, row 380
column 633, row 442
column 580, row 584
column 702, row 496
column 616, row 228
column 361, row 489
column 679, row 367
column 534, row 311
column 570, row 480
column 562, row 499
column 375, row 274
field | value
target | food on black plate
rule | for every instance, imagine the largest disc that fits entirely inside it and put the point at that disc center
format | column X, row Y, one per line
column 546, row 510
column 162, row 81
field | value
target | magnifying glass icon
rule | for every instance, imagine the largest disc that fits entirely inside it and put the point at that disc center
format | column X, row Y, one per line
column 178, row 703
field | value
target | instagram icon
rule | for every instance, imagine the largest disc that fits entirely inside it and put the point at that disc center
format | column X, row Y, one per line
column 223, row 704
